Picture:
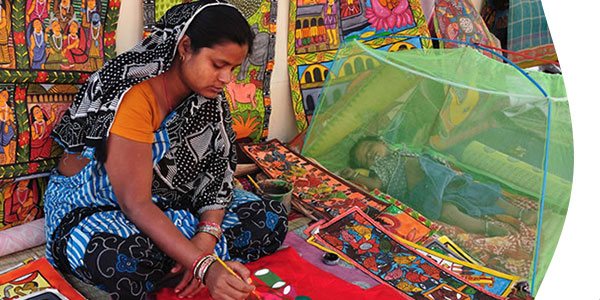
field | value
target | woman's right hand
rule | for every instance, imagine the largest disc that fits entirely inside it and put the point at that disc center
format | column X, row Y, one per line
column 223, row 285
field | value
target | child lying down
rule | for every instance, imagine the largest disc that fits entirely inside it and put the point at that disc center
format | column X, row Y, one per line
column 429, row 186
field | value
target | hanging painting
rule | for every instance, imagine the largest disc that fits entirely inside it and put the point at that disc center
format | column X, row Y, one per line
column 47, row 49
column 318, row 27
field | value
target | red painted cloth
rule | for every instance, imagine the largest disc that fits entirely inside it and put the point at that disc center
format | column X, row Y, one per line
column 305, row 279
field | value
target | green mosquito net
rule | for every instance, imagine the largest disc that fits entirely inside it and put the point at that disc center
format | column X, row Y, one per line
column 472, row 143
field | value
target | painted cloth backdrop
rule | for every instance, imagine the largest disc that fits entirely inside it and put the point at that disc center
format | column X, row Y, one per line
column 318, row 27
column 249, row 95
column 47, row 49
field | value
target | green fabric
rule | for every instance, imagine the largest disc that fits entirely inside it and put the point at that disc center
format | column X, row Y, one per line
column 484, row 117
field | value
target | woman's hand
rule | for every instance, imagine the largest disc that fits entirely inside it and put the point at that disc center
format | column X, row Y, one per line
column 223, row 285
column 188, row 286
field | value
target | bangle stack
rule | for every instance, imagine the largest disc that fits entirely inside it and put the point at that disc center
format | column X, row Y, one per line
column 211, row 228
column 201, row 265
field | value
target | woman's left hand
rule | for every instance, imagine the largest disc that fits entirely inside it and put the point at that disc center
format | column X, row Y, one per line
column 188, row 286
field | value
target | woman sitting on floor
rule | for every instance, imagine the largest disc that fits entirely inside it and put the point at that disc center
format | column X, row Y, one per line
column 144, row 190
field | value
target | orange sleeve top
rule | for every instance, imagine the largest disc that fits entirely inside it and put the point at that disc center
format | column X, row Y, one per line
column 138, row 115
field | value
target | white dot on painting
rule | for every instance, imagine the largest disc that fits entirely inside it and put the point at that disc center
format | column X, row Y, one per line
column 287, row 290
column 278, row 284
column 261, row 272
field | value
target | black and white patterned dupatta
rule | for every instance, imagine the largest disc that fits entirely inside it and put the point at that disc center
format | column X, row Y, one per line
column 197, row 170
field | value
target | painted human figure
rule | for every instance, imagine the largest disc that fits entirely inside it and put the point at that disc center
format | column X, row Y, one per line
column 41, row 126
column 54, row 47
column 36, row 9
column 22, row 205
column 63, row 12
column 74, row 46
column 37, row 44
column 94, row 42
column 5, row 24
column 350, row 8
column 330, row 20
column 7, row 131
column 88, row 7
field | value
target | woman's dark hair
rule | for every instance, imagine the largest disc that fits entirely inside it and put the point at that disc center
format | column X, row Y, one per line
column 352, row 155
column 218, row 24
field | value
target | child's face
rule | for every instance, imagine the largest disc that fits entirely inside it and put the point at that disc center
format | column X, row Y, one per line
column 368, row 152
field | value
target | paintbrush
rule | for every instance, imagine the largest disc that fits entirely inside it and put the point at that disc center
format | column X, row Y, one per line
column 255, row 184
column 235, row 274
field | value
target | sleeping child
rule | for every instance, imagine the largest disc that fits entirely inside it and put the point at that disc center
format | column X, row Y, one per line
column 429, row 186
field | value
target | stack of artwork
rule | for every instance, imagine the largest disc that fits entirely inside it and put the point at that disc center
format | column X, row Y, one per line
column 413, row 270
column 314, row 187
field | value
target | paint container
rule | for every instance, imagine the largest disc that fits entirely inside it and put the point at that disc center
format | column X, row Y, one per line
column 278, row 190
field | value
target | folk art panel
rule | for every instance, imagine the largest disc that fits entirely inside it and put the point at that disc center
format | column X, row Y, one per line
column 357, row 237
column 34, row 277
column 249, row 94
column 315, row 188
column 317, row 28
column 47, row 49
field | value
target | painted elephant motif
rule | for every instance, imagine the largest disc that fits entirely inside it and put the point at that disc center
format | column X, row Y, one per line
column 242, row 93
column 258, row 57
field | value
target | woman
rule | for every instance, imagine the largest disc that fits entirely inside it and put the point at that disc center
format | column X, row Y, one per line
column 54, row 47
column 432, row 188
column 146, row 191
column 37, row 44
column 74, row 48
column 41, row 125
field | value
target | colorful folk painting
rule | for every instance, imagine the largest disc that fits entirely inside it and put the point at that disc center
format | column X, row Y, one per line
column 361, row 239
column 317, row 28
column 249, row 94
column 34, row 277
column 459, row 20
column 314, row 187
column 21, row 201
column 47, row 49
column 447, row 247
column 403, row 221
column 491, row 280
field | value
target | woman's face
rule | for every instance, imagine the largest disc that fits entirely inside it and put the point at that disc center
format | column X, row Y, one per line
column 3, row 97
column 73, row 27
column 369, row 151
column 55, row 27
column 37, row 25
column 208, row 70
column 37, row 114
